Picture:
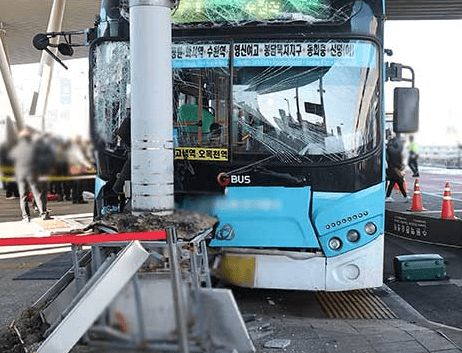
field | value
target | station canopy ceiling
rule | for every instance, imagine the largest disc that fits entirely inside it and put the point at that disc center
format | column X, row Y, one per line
column 22, row 19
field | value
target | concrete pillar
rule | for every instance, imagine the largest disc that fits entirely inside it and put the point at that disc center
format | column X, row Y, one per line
column 151, row 106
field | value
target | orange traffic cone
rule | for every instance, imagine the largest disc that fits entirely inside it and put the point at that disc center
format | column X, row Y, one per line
column 417, row 205
column 447, row 209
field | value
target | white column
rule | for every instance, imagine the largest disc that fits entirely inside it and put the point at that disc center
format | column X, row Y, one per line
column 8, row 79
column 151, row 106
column 40, row 100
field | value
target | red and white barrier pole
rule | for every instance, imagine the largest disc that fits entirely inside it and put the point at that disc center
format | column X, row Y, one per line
column 82, row 239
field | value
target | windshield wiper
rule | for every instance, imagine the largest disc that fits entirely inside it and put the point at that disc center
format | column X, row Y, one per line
column 295, row 181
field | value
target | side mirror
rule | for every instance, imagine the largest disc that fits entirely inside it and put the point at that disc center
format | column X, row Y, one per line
column 65, row 49
column 405, row 110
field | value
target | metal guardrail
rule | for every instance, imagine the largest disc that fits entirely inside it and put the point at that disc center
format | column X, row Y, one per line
column 441, row 156
column 100, row 307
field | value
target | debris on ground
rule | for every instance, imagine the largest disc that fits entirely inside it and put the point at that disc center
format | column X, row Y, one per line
column 258, row 329
column 277, row 343
column 23, row 333
column 187, row 223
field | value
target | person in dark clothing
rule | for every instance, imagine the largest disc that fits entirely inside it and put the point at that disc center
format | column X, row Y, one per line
column 29, row 156
column 11, row 189
column 6, row 172
column 395, row 168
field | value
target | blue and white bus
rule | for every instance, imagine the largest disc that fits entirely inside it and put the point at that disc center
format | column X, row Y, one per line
column 278, row 132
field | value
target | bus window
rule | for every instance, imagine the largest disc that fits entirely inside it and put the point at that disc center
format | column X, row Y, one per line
column 201, row 107
column 324, row 113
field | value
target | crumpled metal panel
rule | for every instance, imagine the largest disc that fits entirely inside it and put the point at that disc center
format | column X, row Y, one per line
column 224, row 323
column 98, row 296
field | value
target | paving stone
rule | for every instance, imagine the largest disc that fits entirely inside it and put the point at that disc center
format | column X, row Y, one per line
column 399, row 347
column 352, row 345
column 373, row 326
column 388, row 336
column 407, row 326
column 432, row 340
column 297, row 346
column 330, row 325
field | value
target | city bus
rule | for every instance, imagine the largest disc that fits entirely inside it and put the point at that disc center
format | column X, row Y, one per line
column 278, row 131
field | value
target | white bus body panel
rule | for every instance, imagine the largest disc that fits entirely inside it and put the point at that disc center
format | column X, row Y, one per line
column 358, row 269
column 288, row 273
column 362, row 268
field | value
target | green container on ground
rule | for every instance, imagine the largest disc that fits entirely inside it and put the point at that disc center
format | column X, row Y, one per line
column 419, row 267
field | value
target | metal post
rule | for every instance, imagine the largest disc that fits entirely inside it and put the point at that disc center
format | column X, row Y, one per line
column 78, row 273
column 8, row 79
column 3, row 38
column 96, row 261
column 195, row 269
column 139, row 309
column 177, row 288
column 205, row 264
column 151, row 106
column 200, row 254
column 40, row 97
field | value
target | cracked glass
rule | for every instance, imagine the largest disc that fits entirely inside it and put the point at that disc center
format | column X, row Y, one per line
column 297, row 101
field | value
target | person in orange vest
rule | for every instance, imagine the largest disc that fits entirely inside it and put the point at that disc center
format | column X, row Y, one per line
column 412, row 160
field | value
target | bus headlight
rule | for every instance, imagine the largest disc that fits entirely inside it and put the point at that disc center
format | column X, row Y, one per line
column 353, row 235
column 370, row 228
column 335, row 244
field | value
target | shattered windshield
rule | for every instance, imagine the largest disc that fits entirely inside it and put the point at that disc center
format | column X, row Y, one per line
column 239, row 11
column 110, row 89
column 306, row 101
column 312, row 101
